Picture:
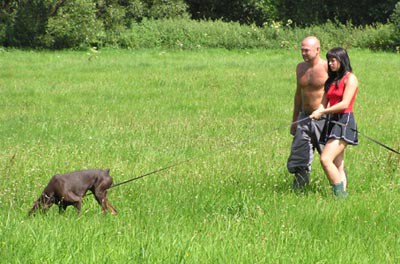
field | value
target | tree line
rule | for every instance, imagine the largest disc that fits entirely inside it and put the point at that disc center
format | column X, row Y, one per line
column 70, row 23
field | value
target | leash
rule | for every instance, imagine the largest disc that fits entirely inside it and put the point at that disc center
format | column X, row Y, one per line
column 240, row 142
column 364, row 135
column 214, row 152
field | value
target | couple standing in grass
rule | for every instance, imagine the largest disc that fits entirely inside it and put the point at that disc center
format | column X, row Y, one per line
column 323, row 115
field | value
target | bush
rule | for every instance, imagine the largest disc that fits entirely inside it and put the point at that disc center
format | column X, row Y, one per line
column 242, row 11
column 395, row 18
column 115, row 23
column 165, row 9
column 378, row 37
column 75, row 25
column 29, row 23
column 5, row 22
column 135, row 11
column 189, row 34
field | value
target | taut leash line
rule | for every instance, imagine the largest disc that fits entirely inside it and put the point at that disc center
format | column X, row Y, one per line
column 368, row 137
column 189, row 160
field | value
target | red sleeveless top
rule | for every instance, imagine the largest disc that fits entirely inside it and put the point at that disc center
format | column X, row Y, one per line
column 336, row 91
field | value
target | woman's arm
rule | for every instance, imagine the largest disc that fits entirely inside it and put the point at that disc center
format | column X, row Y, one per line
column 350, row 90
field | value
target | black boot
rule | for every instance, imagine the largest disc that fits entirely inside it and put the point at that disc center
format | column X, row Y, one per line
column 301, row 180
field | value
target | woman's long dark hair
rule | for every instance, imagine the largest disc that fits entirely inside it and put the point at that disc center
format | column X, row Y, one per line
column 341, row 55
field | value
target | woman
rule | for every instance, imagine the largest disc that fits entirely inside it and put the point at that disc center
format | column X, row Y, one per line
column 340, row 92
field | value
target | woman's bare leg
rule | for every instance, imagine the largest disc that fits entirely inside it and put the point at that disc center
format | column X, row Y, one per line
column 332, row 161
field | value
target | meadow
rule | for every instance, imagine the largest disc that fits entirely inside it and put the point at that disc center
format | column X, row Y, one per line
column 223, row 117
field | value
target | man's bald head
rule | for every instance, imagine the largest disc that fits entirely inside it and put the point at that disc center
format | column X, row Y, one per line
column 310, row 48
column 311, row 41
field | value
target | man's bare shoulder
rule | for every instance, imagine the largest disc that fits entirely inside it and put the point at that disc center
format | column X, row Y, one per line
column 301, row 67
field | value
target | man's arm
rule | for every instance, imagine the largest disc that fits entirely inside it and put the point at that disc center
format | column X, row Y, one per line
column 296, row 110
column 297, row 103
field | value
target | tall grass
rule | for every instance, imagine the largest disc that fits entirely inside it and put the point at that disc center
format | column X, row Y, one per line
column 137, row 111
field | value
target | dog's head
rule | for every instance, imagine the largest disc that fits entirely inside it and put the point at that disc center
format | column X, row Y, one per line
column 43, row 203
column 46, row 201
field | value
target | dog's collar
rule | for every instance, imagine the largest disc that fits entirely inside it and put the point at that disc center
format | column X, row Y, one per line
column 46, row 196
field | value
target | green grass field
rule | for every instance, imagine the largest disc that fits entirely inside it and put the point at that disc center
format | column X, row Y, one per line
column 228, row 113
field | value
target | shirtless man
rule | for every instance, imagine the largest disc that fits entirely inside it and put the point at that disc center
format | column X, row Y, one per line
column 311, row 76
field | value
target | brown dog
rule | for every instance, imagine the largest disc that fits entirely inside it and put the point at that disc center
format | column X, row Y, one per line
column 70, row 188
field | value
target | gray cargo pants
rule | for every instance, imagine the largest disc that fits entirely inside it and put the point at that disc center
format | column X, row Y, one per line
column 305, row 141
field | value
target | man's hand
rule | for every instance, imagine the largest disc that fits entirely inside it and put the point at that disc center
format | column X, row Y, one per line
column 293, row 129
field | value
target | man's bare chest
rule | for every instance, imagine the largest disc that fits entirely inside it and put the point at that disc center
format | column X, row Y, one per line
column 312, row 79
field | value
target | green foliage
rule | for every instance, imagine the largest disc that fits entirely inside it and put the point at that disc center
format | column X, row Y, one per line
column 64, row 24
column 243, row 11
column 29, row 22
column 302, row 13
column 73, row 25
column 314, row 12
column 378, row 37
column 119, row 16
column 166, row 23
column 264, row 11
column 114, row 19
column 189, row 34
column 5, row 22
column 159, row 9
column 134, row 11
column 395, row 18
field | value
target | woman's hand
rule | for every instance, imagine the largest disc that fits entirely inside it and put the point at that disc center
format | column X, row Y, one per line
column 317, row 114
